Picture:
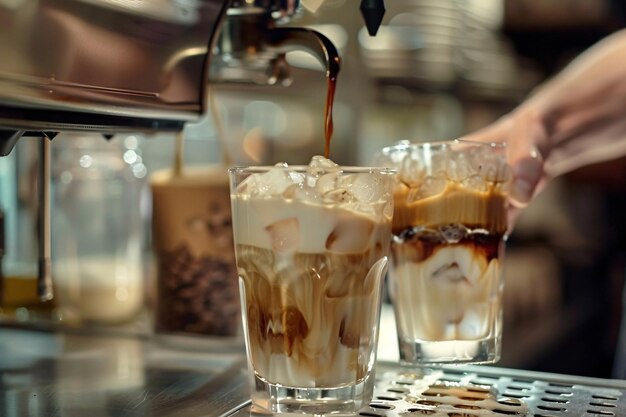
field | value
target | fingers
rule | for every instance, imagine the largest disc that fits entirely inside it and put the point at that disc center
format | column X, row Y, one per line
column 527, row 172
column 525, row 137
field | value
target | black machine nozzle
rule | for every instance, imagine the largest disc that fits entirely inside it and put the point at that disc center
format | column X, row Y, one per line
column 373, row 12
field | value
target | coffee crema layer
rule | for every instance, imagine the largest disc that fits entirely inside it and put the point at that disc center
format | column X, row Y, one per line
column 311, row 318
column 455, row 204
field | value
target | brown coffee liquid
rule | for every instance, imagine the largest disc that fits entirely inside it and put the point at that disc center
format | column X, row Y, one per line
column 330, row 100
column 328, row 115
column 416, row 244
column 318, row 305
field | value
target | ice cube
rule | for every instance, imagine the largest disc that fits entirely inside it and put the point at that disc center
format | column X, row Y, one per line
column 408, row 235
column 368, row 188
column 326, row 183
column 456, row 265
column 432, row 186
column 273, row 182
column 365, row 208
column 496, row 170
column 475, row 323
column 492, row 166
column 350, row 235
column 449, row 273
column 297, row 177
column 248, row 185
column 504, row 171
column 284, row 235
column 472, row 264
column 475, row 182
column 320, row 165
column 439, row 162
column 453, row 233
column 459, row 167
column 455, row 312
column 301, row 191
column 412, row 171
column 339, row 195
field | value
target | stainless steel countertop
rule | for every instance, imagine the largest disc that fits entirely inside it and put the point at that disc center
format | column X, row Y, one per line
column 81, row 372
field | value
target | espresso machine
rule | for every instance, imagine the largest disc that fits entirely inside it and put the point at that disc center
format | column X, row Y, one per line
column 113, row 66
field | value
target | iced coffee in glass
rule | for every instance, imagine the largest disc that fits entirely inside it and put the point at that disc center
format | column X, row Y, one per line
column 449, row 230
column 311, row 245
column 192, row 239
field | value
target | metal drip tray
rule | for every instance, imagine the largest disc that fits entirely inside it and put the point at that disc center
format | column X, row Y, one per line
column 486, row 391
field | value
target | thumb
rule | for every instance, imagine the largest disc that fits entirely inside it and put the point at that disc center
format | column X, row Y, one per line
column 527, row 172
column 525, row 159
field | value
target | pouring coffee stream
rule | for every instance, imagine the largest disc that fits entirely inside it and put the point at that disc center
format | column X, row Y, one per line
column 289, row 39
column 283, row 40
column 328, row 111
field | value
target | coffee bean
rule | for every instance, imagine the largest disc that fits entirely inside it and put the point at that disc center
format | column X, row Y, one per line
column 197, row 294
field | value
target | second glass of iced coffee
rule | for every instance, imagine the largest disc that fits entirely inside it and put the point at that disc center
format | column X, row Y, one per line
column 449, row 230
column 311, row 244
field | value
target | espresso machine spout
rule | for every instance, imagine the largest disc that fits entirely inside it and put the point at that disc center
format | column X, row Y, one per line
column 283, row 40
column 252, row 49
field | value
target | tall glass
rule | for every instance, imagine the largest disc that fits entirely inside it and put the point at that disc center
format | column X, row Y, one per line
column 449, row 231
column 97, row 232
column 192, row 240
column 311, row 245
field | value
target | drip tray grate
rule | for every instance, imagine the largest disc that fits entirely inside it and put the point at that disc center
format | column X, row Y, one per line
column 485, row 391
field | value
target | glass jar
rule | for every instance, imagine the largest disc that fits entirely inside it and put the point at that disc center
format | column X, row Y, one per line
column 97, row 229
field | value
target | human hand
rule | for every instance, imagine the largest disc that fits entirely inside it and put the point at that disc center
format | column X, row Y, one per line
column 575, row 119
column 526, row 138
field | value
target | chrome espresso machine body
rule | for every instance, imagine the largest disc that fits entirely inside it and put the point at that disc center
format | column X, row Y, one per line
column 112, row 66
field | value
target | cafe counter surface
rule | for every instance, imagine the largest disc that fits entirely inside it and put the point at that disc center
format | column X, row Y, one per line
column 83, row 372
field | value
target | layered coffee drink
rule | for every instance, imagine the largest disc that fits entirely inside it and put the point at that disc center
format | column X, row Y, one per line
column 193, row 243
column 311, row 245
column 449, row 229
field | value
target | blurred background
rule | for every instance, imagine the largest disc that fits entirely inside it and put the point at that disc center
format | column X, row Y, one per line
column 436, row 70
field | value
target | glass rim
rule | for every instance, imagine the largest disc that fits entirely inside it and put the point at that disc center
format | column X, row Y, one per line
column 347, row 169
column 408, row 145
